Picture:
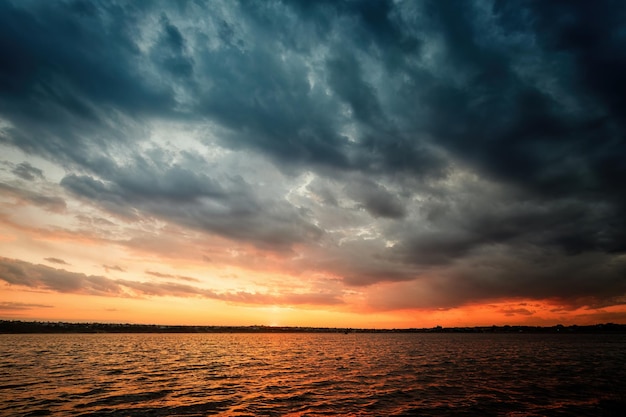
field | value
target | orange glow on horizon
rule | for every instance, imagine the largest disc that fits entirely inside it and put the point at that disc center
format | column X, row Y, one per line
column 194, row 279
column 50, row 306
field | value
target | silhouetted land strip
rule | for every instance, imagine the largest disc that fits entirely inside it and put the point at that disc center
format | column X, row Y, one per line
column 16, row 326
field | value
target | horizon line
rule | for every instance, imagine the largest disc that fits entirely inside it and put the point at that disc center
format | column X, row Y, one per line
column 259, row 328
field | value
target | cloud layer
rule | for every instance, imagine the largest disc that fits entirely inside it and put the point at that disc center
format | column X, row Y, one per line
column 42, row 277
column 444, row 153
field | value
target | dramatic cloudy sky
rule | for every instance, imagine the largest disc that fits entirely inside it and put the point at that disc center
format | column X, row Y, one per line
column 356, row 163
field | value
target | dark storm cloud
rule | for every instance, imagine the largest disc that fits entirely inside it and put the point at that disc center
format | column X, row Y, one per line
column 398, row 102
column 70, row 68
column 541, row 128
column 376, row 199
column 461, row 223
column 270, row 105
column 594, row 279
column 591, row 281
column 171, row 51
column 267, row 102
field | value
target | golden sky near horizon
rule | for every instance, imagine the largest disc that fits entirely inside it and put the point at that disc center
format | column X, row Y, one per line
column 355, row 164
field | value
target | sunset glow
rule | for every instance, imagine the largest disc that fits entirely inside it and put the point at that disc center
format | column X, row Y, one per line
column 358, row 164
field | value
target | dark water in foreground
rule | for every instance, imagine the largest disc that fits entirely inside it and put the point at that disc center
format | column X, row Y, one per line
column 312, row 374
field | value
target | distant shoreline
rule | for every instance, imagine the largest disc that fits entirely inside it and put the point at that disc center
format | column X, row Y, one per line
column 23, row 327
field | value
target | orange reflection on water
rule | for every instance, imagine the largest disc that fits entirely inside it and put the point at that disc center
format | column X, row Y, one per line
column 312, row 374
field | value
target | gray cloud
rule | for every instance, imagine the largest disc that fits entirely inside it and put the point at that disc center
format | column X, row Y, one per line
column 117, row 268
column 27, row 172
column 41, row 199
column 56, row 261
column 22, row 273
column 376, row 199
column 195, row 200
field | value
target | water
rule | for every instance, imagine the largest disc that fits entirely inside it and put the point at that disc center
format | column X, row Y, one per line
column 305, row 374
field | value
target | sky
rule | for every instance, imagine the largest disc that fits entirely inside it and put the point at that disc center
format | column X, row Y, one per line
column 370, row 164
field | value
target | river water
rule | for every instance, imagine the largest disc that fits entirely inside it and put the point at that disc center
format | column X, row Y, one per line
column 308, row 374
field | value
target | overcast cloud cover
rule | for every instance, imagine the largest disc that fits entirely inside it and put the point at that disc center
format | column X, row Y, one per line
column 444, row 152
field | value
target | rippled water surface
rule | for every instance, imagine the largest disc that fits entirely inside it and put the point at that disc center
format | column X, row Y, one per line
column 306, row 374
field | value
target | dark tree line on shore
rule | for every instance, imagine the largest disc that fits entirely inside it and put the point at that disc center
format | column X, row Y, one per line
column 17, row 326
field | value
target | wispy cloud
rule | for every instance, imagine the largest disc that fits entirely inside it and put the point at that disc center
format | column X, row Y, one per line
column 117, row 268
column 12, row 306
column 517, row 311
column 170, row 276
column 27, row 172
column 56, row 261
column 27, row 197
column 20, row 273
